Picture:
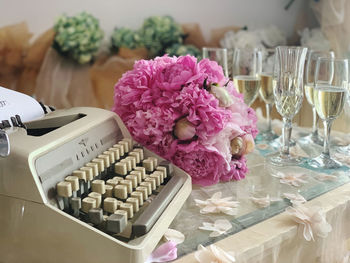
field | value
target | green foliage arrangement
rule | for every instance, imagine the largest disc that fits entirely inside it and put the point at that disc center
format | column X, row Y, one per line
column 183, row 50
column 78, row 37
column 125, row 37
column 159, row 33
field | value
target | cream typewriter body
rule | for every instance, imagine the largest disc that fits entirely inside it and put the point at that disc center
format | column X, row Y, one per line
column 46, row 216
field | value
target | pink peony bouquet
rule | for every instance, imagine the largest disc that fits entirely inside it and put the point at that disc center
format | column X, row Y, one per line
column 189, row 113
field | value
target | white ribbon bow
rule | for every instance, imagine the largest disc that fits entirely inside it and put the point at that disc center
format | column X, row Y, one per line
column 311, row 219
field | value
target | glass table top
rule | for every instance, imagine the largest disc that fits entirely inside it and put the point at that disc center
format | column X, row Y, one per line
column 259, row 182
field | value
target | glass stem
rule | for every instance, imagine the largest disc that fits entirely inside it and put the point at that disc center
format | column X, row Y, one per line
column 327, row 124
column 286, row 134
column 314, row 123
column 268, row 117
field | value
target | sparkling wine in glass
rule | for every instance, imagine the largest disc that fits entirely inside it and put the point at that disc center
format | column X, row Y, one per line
column 266, row 93
column 309, row 92
column 288, row 92
column 330, row 91
column 217, row 54
column 246, row 72
column 346, row 149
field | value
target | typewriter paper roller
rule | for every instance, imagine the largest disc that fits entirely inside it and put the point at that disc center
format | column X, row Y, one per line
column 33, row 228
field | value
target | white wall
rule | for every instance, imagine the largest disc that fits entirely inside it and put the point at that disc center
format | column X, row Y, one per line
column 209, row 14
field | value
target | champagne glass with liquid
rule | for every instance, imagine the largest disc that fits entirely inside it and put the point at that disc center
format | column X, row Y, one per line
column 266, row 93
column 288, row 92
column 217, row 54
column 246, row 72
column 346, row 149
column 309, row 91
column 330, row 91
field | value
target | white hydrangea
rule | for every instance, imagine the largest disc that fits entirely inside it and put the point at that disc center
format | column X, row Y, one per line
column 314, row 39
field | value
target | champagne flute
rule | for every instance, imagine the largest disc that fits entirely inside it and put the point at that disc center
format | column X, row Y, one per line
column 346, row 149
column 266, row 93
column 217, row 54
column 330, row 91
column 288, row 91
column 246, row 72
column 309, row 90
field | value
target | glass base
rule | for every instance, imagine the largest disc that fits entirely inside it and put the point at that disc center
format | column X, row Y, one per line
column 277, row 143
column 344, row 150
column 311, row 139
column 325, row 162
column 284, row 160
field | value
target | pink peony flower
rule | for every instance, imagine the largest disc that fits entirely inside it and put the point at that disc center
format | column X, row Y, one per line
column 205, row 166
column 237, row 171
column 211, row 71
column 173, row 76
column 152, row 98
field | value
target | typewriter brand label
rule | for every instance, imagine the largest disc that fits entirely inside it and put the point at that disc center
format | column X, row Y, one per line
column 83, row 142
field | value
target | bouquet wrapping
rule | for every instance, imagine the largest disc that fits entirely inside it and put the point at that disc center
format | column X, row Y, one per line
column 189, row 113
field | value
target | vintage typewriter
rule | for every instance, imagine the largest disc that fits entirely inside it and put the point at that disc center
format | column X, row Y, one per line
column 76, row 188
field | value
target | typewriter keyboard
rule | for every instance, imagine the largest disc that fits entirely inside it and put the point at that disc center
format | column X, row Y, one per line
column 120, row 192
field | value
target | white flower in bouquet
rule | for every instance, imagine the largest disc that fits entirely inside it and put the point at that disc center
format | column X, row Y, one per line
column 314, row 39
column 271, row 36
column 241, row 39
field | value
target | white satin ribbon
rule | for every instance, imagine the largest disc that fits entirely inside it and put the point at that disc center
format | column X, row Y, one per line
column 312, row 220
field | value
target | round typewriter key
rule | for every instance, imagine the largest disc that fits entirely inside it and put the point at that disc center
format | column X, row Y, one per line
column 142, row 170
column 156, row 178
column 97, row 197
column 160, row 174
column 87, row 204
column 125, row 145
column 144, row 191
column 111, row 156
column 138, row 175
column 121, row 191
column 148, row 185
column 133, row 161
column 134, row 202
column 80, row 174
column 106, row 160
column 128, row 184
column 100, row 163
column 130, row 143
column 120, row 148
column 148, row 164
column 128, row 208
column 155, row 161
column 98, row 186
column 152, row 181
column 74, row 180
column 133, row 179
column 94, row 167
column 136, row 155
column 116, row 153
column 110, row 204
column 139, row 150
column 121, row 168
column 128, row 164
column 64, row 189
column 163, row 170
column 112, row 182
column 139, row 196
